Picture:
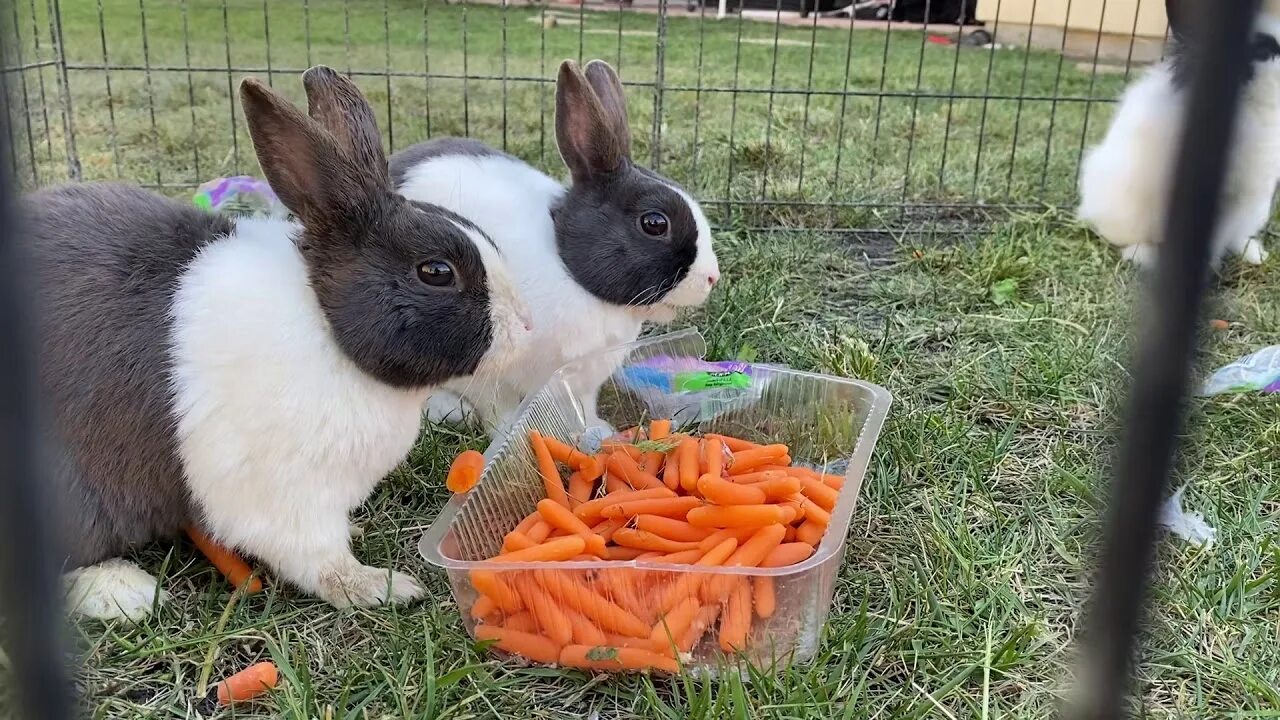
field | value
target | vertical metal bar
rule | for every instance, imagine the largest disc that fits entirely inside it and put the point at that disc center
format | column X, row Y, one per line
column 621, row 16
column 191, row 92
column 768, row 116
column 386, row 45
column 695, row 179
column 26, row 97
column 1156, row 406
column 231, row 91
column 733, row 117
column 875, row 135
column 306, row 28
column 44, row 101
column 986, row 94
column 542, row 88
column 808, row 96
column 1053, row 107
column 504, row 75
column 266, row 38
column 659, row 75
column 844, row 106
column 1017, row 116
column 946, row 132
column 915, row 106
column 1088, row 105
column 151, row 102
column 346, row 31
column 1133, row 39
column 64, row 90
column 466, row 74
column 426, row 63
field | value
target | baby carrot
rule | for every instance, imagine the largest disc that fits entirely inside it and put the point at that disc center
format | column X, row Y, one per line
column 549, row 551
column 483, row 607
column 797, row 508
column 622, row 641
column 550, row 615
column 465, row 471
column 766, row 599
column 585, row 632
column 687, row 584
column 559, row 516
column 706, row 617
column 528, row 645
column 813, row 511
column 749, row 554
column 722, row 492
column 712, row 457
column 611, row 658
column 684, row 557
column 592, row 509
column 658, row 430
column 667, row 507
column 787, row 554
column 516, row 540
column 489, row 584
column 775, row 488
column 819, row 493
column 623, row 466
column 249, row 683
column 671, row 528
column 739, row 515
column 644, row 540
column 714, row 539
column 608, row 447
column 605, row 614
column 619, row 587
column 687, row 460
column 810, row 532
column 759, row 476
column 756, row 458
column 540, row 530
column 737, row 618
column 614, row 552
column 791, row 534
column 614, row 484
column 671, row 472
column 547, row 468
column 673, row 625
column 734, row 444
column 235, row 570
column 836, row 482
column 563, row 452
column 521, row 622
column 528, row 522
column 580, row 489
column 607, row 528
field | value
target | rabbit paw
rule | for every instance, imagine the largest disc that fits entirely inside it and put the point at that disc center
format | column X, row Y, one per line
column 112, row 590
column 365, row 586
column 445, row 408
column 1253, row 252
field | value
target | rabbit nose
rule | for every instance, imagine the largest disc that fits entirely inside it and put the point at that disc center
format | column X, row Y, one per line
column 713, row 279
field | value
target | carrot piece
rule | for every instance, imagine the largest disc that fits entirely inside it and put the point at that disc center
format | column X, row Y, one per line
column 465, row 471
column 714, row 539
column 759, row 476
column 684, row 557
column 813, row 511
column 521, row 622
column 667, row 507
column 649, row 555
column 658, row 430
column 552, row 620
column 591, row 468
column 516, row 540
column 611, row 658
column 491, row 585
column 618, row 586
column 722, row 492
column 819, row 493
column 585, row 632
column 734, row 444
column 811, row 532
column 671, row 528
column 645, row 540
column 739, row 515
column 580, row 489
column 835, row 482
column 673, row 625
column 592, row 510
column 737, row 618
column 688, row 583
column 606, row 615
column 541, row 530
column 788, row 553
column 797, row 508
column 622, row 641
column 712, row 457
column 249, row 683
column 791, row 534
column 774, row 488
column 607, row 528
column 614, row 552
column 705, row 619
column 563, row 452
column 749, row 554
column 766, row 598
column 547, row 468
column 528, row 522
column 623, row 466
column 559, row 516
column 687, row 460
column 232, row 567
column 483, row 607
column 615, row 484
column 527, row 645
column 608, row 447
column 549, row 551
column 756, row 458
column 671, row 472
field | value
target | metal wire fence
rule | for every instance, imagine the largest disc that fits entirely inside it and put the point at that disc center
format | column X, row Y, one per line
column 771, row 119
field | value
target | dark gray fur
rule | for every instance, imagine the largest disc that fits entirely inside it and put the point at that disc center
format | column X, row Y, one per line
column 1185, row 45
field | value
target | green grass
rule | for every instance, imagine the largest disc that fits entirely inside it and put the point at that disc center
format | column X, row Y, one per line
column 969, row 560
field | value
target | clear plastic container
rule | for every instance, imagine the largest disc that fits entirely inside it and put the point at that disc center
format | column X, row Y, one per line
column 829, row 423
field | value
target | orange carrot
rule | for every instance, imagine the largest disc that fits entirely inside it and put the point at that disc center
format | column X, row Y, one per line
column 765, row 597
column 605, row 614
column 776, row 487
column 684, row 557
column 619, row 587
column 714, row 539
column 673, row 625
column 528, row 645
column 615, row 484
column 563, row 452
column 465, row 471
column 227, row 562
column 483, row 607
column 791, row 534
column 559, row 516
column 552, row 620
column 671, row 528
column 810, row 532
column 787, row 554
column 607, row 528
column 585, row 632
column 737, row 618
column 688, row 583
column 491, row 585
column 591, row 468
column 712, row 457
column 622, row 641
column 516, row 540
column 819, row 493
column 623, row 466
column 658, row 430
column 580, row 489
column 705, row 619
column 521, row 622
column 722, row 492
column 749, row 554
column 734, row 444
column 756, row 458
column 547, row 468
column 528, row 522
column 540, row 530
column 645, row 540
column 759, row 476
column 589, row 511
column 671, row 472
column 249, row 683
column 836, row 482
column 610, row 658
column 549, row 551
column 739, row 515
column 608, row 447
column 614, row 552
column 813, row 511
column 687, row 460
column 667, row 507
column 797, row 508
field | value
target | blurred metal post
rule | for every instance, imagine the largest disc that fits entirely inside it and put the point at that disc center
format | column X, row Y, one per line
column 1170, row 325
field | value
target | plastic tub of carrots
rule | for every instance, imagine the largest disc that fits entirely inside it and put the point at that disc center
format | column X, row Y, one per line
column 706, row 531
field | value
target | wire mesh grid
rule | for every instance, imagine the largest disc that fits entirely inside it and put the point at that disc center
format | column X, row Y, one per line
column 771, row 119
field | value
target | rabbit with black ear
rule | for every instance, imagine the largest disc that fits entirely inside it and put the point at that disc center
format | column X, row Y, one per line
column 254, row 377
column 620, row 246
column 1125, row 180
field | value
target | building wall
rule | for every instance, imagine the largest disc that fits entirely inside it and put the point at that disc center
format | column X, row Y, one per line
column 1119, row 17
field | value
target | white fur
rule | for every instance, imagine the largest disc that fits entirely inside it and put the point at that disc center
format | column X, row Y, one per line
column 280, row 433
column 112, row 590
column 511, row 202
column 1124, row 181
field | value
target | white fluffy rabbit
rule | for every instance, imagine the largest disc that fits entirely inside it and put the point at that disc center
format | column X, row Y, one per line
column 621, row 246
column 256, row 378
column 1125, row 180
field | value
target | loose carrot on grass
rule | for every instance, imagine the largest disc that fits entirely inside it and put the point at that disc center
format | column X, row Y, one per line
column 234, row 569
column 465, row 471
column 249, row 683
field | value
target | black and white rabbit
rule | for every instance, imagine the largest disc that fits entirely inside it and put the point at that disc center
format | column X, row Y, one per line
column 621, row 246
column 255, row 377
column 1125, row 180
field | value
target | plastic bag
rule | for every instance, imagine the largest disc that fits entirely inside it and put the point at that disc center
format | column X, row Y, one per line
column 1189, row 526
column 1258, row 371
column 689, row 390
column 240, row 195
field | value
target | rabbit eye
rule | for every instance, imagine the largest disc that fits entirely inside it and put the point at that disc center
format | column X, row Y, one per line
column 436, row 273
column 654, row 223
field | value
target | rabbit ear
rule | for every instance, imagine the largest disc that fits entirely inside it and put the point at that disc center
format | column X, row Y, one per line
column 1181, row 15
column 584, row 132
column 303, row 164
column 604, row 80
column 338, row 105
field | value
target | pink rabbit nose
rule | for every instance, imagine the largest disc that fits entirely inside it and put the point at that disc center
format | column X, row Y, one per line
column 713, row 279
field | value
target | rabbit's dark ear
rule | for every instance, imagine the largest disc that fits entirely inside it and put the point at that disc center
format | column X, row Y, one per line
column 1181, row 15
column 584, row 132
column 338, row 105
column 604, row 80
